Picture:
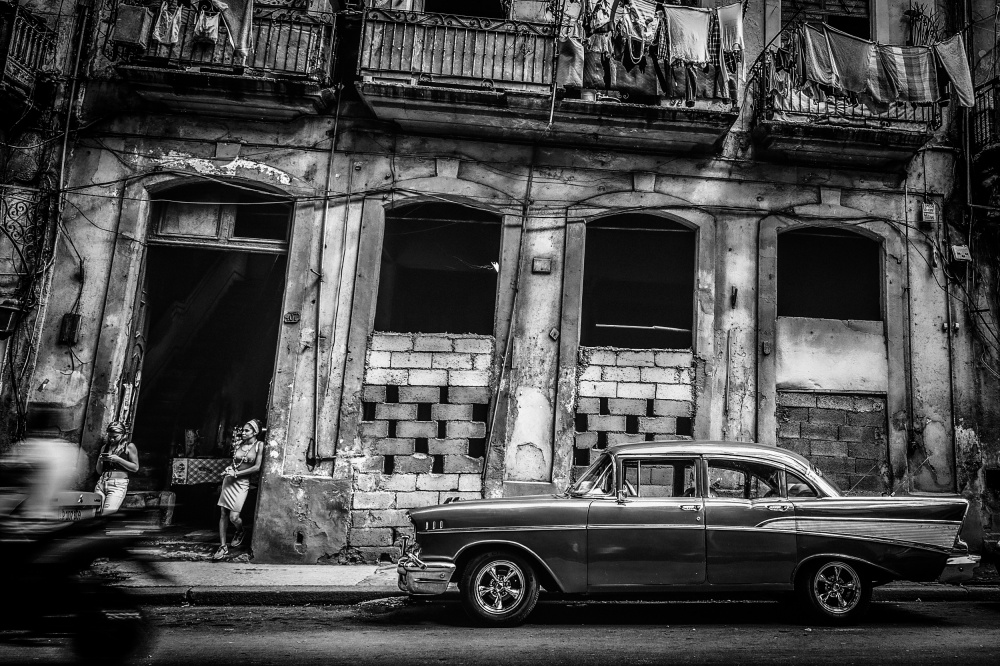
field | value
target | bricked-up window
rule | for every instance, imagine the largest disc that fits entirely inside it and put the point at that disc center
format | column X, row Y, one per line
column 638, row 283
column 439, row 270
column 850, row 16
column 827, row 273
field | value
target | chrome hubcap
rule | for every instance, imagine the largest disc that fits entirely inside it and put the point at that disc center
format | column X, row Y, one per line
column 499, row 587
column 837, row 588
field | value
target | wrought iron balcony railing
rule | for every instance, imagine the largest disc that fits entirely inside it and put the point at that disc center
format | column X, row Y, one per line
column 411, row 47
column 986, row 116
column 299, row 46
column 778, row 101
column 26, row 46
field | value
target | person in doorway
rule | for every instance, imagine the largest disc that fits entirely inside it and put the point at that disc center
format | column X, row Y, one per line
column 236, row 485
column 117, row 460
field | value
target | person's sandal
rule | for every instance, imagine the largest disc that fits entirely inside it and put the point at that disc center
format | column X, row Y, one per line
column 221, row 554
column 238, row 537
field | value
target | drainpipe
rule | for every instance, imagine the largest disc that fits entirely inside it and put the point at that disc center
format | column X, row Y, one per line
column 910, row 435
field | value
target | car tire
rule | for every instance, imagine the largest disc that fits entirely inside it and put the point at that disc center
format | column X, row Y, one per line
column 834, row 592
column 499, row 589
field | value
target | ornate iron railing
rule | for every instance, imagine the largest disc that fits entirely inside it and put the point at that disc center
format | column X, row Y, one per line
column 26, row 44
column 286, row 45
column 986, row 116
column 456, row 50
column 776, row 101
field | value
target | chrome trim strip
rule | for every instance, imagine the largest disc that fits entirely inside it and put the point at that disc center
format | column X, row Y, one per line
column 647, row 526
column 510, row 528
column 836, row 535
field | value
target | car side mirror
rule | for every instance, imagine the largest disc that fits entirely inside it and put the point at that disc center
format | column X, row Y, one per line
column 620, row 497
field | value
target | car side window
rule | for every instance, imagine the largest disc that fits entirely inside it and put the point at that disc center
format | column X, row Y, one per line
column 659, row 477
column 797, row 487
column 738, row 479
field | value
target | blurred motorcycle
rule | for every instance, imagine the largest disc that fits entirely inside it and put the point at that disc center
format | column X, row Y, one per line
column 48, row 543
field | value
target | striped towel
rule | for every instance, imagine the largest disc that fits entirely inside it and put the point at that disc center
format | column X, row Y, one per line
column 903, row 73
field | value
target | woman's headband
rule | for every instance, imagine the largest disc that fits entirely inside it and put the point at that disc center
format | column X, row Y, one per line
column 254, row 425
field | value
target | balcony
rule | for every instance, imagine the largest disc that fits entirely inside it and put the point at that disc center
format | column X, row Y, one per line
column 791, row 127
column 985, row 143
column 26, row 47
column 493, row 79
column 288, row 66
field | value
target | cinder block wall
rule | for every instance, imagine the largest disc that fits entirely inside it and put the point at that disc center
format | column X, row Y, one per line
column 425, row 404
column 627, row 395
column 842, row 434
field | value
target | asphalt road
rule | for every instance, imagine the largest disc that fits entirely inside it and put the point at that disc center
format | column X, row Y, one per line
column 397, row 631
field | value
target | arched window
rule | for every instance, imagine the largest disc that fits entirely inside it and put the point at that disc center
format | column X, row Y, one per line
column 638, row 283
column 439, row 270
column 828, row 273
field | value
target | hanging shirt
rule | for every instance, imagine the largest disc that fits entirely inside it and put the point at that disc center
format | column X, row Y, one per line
column 688, row 30
column 731, row 27
column 951, row 54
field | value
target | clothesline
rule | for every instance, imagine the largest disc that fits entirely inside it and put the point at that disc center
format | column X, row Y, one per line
column 824, row 58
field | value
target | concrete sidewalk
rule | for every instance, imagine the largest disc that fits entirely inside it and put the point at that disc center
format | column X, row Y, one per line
column 248, row 584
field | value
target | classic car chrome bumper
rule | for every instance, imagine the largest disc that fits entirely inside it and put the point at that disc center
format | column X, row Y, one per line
column 959, row 569
column 423, row 578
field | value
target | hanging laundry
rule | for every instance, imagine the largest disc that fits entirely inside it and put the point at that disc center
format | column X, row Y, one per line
column 900, row 73
column 731, row 27
column 910, row 72
column 206, row 28
column 167, row 26
column 238, row 17
column 600, row 27
column 569, row 66
column 851, row 58
column 688, row 30
column 816, row 65
column 951, row 54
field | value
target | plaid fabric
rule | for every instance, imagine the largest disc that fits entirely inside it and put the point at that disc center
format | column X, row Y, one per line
column 714, row 40
column 189, row 471
column 904, row 73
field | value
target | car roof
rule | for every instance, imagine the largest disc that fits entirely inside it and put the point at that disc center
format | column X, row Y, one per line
column 701, row 447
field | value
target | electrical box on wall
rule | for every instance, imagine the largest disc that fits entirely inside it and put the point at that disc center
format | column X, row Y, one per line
column 69, row 329
column 928, row 215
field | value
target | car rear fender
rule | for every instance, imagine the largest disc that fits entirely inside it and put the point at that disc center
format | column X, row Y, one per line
column 546, row 577
column 873, row 569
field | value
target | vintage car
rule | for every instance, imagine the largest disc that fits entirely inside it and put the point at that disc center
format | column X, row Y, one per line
column 683, row 518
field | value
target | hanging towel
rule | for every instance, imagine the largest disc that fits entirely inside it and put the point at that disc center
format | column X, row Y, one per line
column 569, row 67
column 851, row 59
column 238, row 17
column 688, row 30
column 167, row 27
column 910, row 72
column 951, row 54
column 731, row 27
column 816, row 63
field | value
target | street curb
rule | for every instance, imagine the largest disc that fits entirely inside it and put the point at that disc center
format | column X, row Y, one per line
column 290, row 595
column 283, row 595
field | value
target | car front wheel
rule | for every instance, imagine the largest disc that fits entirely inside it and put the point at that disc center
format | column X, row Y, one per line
column 835, row 592
column 499, row 589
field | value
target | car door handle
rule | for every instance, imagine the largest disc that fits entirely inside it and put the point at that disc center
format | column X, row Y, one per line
column 778, row 507
column 690, row 507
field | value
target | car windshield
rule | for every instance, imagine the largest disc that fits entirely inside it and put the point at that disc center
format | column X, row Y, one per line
column 596, row 480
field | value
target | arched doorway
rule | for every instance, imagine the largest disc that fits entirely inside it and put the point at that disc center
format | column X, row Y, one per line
column 205, row 333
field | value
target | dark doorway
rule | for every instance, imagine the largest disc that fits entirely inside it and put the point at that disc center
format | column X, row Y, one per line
column 213, row 331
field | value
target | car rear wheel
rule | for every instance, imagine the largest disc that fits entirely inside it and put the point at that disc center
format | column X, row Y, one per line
column 835, row 592
column 499, row 589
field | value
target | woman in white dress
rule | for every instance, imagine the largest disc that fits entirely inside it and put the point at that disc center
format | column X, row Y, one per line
column 236, row 486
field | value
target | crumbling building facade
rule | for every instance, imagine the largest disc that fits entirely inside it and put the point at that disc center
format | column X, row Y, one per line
column 451, row 256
